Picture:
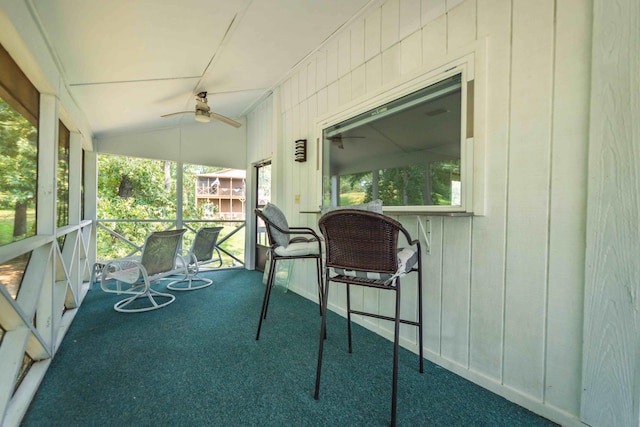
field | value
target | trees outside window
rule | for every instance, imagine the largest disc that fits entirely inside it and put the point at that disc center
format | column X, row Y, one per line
column 18, row 174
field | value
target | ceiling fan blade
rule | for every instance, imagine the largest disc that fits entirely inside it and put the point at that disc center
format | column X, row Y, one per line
column 178, row 113
column 222, row 118
column 340, row 137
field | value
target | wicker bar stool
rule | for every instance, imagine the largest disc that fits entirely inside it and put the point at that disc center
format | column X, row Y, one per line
column 362, row 250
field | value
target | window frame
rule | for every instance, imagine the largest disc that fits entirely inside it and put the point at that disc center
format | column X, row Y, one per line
column 465, row 66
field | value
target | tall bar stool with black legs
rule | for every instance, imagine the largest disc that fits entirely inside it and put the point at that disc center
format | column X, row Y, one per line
column 361, row 249
column 287, row 243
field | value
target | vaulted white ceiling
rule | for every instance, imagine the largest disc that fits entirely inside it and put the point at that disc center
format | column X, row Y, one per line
column 127, row 62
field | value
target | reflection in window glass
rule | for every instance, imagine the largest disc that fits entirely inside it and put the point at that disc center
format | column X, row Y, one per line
column 406, row 152
column 18, row 174
column 12, row 271
column 62, row 205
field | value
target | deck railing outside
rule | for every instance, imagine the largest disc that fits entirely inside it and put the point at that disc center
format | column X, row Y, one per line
column 230, row 241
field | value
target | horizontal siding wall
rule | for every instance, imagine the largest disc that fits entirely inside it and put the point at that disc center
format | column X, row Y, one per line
column 503, row 291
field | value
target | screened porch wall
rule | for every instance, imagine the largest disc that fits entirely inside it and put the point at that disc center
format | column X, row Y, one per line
column 504, row 291
column 55, row 279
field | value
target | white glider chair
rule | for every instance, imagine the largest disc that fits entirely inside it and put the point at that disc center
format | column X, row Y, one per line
column 157, row 262
column 203, row 251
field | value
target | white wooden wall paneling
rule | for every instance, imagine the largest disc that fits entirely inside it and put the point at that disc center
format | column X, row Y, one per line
column 489, row 232
column 344, row 89
column 296, row 184
column 432, row 9
column 313, row 198
column 567, row 205
column 434, row 42
column 411, row 52
column 285, row 97
column 461, row 25
column 344, row 54
column 332, row 62
column 357, row 44
column 372, row 32
column 409, row 17
column 409, row 287
column 359, row 82
column 311, row 77
column 508, row 274
column 456, row 272
column 323, row 101
column 528, row 196
column 373, row 70
column 333, row 97
column 451, row 4
column 391, row 64
column 295, row 90
column 432, row 305
column 390, row 24
column 611, row 371
column 302, row 84
column 321, row 70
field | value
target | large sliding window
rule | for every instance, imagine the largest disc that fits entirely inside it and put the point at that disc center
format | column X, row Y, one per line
column 407, row 148
column 19, row 111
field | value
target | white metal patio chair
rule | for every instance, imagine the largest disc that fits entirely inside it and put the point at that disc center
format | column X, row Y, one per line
column 158, row 261
column 203, row 251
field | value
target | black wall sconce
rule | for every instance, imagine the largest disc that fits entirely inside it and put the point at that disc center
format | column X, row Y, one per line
column 301, row 150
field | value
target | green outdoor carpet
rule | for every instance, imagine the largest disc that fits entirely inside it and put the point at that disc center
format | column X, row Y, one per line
column 197, row 363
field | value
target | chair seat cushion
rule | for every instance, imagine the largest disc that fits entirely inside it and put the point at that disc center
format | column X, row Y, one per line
column 407, row 260
column 298, row 249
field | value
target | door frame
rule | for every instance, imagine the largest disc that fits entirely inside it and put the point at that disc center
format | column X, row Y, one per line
column 259, row 251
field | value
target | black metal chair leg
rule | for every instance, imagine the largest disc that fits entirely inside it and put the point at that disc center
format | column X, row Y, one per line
column 265, row 300
column 420, row 335
column 349, row 315
column 270, row 282
column 396, row 339
column 320, row 284
column 323, row 335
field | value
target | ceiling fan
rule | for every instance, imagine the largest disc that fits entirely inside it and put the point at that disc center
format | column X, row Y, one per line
column 203, row 113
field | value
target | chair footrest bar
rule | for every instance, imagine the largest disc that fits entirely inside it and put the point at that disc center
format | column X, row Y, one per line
column 379, row 316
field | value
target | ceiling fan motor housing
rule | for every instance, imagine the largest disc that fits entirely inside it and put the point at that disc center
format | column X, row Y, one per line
column 202, row 115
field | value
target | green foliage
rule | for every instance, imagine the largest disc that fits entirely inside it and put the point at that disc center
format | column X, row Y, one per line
column 143, row 189
column 442, row 173
column 404, row 186
column 131, row 188
column 18, row 173
column 18, row 157
column 352, row 198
